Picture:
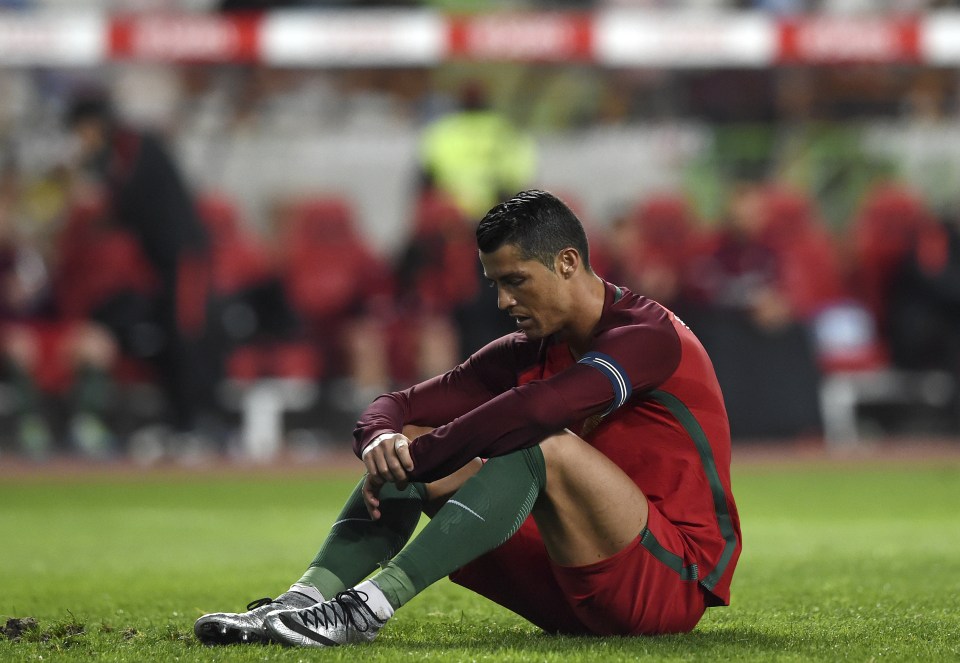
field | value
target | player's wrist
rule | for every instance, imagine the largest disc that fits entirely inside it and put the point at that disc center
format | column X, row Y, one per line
column 375, row 442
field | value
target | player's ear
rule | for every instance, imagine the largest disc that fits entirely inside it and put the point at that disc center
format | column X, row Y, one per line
column 568, row 261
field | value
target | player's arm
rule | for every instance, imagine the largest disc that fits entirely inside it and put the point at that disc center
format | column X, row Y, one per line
column 378, row 438
column 624, row 362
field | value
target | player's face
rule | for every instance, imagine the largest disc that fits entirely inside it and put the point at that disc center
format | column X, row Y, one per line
column 530, row 293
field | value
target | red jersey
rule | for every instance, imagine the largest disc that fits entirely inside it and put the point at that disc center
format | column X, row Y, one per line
column 645, row 395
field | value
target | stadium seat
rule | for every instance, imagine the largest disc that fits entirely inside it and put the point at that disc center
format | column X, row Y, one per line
column 328, row 269
column 892, row 222
column 267, row 374
column 887, row 227
column 445, row 275
column 339, row 288
column 240, row 259
column 667, row 228
column 96, row 261
column 656, row 244
column 809, row 261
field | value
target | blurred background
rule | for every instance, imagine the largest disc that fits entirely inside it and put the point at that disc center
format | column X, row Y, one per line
column 226, row 226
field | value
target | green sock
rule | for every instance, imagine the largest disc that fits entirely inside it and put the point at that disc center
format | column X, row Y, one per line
column 487, row 510
column 356, row 545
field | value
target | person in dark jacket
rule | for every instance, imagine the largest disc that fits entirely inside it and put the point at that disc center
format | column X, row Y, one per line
column 147, row 195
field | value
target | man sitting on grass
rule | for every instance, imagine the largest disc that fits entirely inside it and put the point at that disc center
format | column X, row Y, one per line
column 601, row 418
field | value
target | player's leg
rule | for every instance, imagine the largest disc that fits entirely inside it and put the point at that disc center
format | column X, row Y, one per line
column 619, row 561
column 355, row 546
column 590, row 509
column 481, row 515
column 591, row 513
column 519, row 576
column 353, row 549
column 586, row 508
column 599, row 576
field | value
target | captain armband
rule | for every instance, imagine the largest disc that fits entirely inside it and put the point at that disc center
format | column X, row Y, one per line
column 613, row 372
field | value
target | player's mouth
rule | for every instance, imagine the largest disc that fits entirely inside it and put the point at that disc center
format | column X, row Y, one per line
column 523, row 322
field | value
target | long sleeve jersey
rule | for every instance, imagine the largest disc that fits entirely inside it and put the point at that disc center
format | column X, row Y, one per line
column 644, row 394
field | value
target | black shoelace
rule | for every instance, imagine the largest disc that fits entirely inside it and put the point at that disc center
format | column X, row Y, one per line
column 348, row 608
column 259, row 603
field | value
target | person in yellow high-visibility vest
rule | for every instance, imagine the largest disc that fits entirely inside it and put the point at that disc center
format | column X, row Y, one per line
column 476, row 155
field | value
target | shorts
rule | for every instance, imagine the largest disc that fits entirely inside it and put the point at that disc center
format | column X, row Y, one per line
column 630, row 593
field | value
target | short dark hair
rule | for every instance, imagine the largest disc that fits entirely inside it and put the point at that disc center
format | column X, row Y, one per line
column 536, row 222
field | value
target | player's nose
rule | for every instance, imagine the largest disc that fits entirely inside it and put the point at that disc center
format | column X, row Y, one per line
column 504, row 300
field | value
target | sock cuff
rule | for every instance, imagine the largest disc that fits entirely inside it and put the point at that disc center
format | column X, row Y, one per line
column 324, row 580
column 307, row 589
column 536, row 463
column 420, row 489
column 413, row 490
column 396, row 585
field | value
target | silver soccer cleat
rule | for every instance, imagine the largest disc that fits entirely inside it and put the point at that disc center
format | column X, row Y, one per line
column 229, row 628
column 343, row 620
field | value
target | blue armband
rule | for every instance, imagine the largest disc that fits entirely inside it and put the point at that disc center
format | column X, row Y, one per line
column 615, row 373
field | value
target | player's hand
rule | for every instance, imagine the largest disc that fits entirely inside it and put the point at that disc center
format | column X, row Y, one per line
column 389, row 460
column 371, row 496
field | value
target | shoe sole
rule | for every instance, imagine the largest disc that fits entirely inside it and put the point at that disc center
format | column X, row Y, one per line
column 213, row 634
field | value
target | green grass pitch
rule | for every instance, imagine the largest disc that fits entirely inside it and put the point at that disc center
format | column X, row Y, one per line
column 840, row 563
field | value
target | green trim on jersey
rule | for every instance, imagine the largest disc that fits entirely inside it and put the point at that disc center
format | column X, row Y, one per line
column 683, row 415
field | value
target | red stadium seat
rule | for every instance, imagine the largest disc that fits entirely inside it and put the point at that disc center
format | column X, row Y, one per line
column 889, row 225
column 447, row 273
column 892, row 222
column 655, row 246
column 240, row 258
column 328, row 269
column 95, row 261
column 280, row 359
column 809, row 260
column 330, row 277
column 666, row 227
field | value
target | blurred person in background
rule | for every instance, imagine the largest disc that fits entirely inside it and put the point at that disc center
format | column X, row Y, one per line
column 145, row 194
column 436, row 276
column 741, row 306
column 475, row 157
column 897, row 245
column 741, row 273
column 923, row 311
column 48, row 355
column 653, row 246
column 475, row 154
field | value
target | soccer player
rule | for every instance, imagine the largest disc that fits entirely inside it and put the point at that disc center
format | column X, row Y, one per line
column 600, row 417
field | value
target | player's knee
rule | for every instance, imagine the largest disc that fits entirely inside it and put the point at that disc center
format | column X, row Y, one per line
column 560, row 447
